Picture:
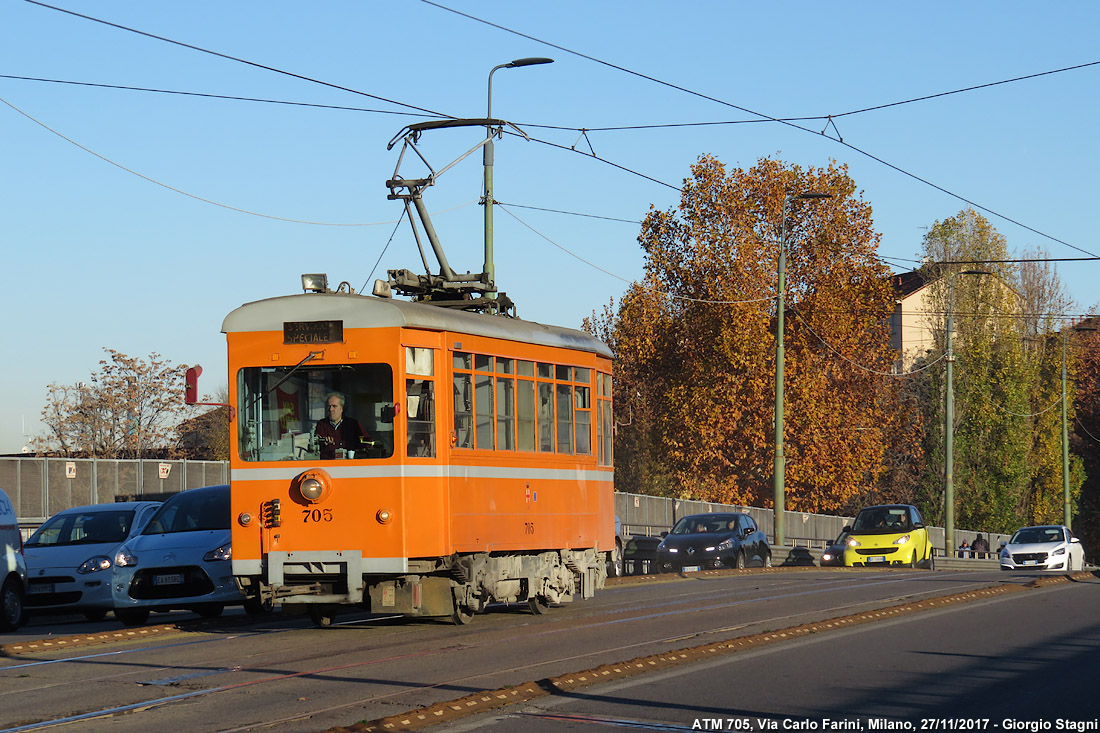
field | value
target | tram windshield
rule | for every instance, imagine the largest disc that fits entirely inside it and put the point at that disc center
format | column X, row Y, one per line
column 310, row 413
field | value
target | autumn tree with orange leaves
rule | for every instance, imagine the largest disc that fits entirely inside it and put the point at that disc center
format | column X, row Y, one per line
column 695, row 344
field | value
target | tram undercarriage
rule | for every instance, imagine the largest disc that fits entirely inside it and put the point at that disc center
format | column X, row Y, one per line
column 454, row 587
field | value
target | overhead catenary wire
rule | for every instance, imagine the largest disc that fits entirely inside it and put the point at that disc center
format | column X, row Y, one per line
column 861, row 367
column 838, row 140
column 1045, row 410
column 625, row 280
column 180, row 191
column 763, row 116
column 1082, row 426
column 229, row 97
column 236, row 58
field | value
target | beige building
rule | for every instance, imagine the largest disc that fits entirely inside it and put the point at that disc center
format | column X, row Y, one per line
column 911, row 326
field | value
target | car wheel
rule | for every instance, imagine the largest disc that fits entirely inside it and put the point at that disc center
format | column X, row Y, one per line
column 132, row 616
column 13, row 612
column 97, row 615
column 740, row 560
column 615, row 561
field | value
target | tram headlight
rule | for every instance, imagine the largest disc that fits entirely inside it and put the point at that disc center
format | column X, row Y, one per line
column 315, row 283
column 314, row 486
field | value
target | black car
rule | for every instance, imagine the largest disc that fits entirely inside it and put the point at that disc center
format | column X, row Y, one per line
column 834, row 553
column 702, row 541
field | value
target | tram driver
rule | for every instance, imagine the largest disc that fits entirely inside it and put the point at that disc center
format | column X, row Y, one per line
column 338, row 435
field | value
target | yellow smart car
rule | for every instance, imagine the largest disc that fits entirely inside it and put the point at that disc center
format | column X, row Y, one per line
column 892, row 534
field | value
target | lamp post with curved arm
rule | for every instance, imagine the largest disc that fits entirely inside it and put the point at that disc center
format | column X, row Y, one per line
column 488, row 268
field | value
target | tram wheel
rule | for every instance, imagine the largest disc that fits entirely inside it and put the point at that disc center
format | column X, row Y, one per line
column 322, row 617
column 460, row 615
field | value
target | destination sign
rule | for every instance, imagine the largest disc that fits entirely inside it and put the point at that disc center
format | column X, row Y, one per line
column 313, row 332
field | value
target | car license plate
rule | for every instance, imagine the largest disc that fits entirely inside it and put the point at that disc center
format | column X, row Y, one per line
column 172, row 579
column 877, row 558
column 1030, row 562
column 40, row 588
column 691, row 569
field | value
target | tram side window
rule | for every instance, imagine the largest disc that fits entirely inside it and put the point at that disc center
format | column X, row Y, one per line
column 582, row 413
column 420, row 401
column 546, row 416
column 506, row 412
column 483, row 406
column 284, row 413
column 525, row 414
column 564, row 407
column 513, row 404
column 604, row 419
column 464, row 411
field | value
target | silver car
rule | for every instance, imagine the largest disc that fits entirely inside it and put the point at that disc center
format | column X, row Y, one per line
column 1049, row 547
column 181, row 560
column 70, row 558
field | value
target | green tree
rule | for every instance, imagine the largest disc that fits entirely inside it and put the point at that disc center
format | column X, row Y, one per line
column 1007, row 442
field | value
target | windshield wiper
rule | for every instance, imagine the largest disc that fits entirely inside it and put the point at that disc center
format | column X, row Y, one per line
column 310, row 357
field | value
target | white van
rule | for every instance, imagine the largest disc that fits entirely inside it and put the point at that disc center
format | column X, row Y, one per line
column 13, row 568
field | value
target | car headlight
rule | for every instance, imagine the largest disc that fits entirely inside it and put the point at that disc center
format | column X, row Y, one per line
column 222, row 553
column 853, row 542
column 671, row 549
column 901, row 540
column 726, row 544
column 1059, row 551
column 125, row 558
column 1004, row 553
column 94, row 564
column 826, row 556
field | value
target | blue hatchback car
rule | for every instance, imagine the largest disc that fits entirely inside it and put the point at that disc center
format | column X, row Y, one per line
column 181, row 560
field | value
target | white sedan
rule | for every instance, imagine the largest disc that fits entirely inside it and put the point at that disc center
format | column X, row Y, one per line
column 1050, row 547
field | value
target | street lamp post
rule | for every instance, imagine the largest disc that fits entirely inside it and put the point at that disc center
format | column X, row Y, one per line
column 488, row 268
column 779, row 472
column 1066, row 508
column 949, row 420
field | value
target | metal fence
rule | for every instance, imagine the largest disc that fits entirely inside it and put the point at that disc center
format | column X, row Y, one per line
column 41, row 487
column 650, row 515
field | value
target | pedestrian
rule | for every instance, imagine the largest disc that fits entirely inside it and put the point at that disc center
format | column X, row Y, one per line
column 964, row 549
column 980, row 548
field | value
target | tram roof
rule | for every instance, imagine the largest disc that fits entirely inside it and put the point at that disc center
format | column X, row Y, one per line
column 364, row 311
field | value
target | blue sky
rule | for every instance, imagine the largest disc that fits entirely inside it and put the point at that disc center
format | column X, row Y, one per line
column 99, row 257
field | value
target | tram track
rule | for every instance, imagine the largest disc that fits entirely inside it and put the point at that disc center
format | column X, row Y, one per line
column 491, row 637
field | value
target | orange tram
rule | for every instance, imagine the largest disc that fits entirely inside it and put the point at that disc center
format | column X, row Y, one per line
column 474, row 464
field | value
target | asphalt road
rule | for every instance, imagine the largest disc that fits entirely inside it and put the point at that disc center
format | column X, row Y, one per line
column 1022, row 661
column 282, row 674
